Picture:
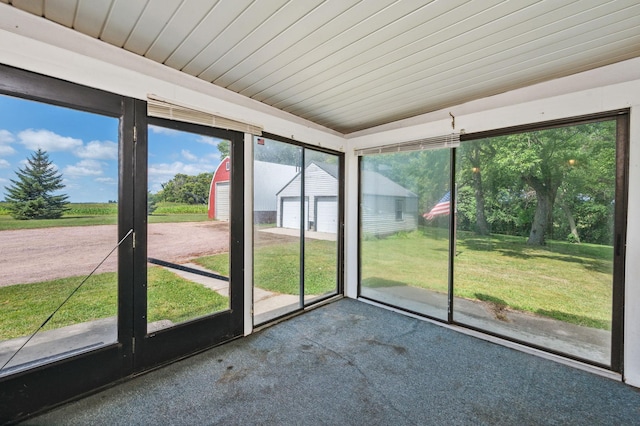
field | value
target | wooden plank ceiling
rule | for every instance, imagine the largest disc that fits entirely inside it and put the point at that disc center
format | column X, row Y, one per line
column 349, row 64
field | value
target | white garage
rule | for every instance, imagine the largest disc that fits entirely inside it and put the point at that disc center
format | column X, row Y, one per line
column 326, row 219
column 321, row 199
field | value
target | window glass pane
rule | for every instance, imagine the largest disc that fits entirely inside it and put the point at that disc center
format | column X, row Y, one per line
column 188, row 232
column 535, row 232
column 277, row 217
column 404, row 219
column 322, row 179
column 58, row 222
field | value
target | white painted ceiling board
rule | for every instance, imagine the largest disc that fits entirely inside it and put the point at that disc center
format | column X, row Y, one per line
column 449, row 65
column 61, row 11
column 153, row 21
column 395, row 54
column 453, row 93
column 285, row 41
column 235, row 31
column 91, row 16
column 271, row 28
column 32, row 6
column 304, row 68
column 273, row 71
column 266, row 31
column 121, row 21
column 179, row 29
column 353, row 64
column 214, row 23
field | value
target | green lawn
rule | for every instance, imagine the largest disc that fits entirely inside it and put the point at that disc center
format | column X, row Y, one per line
column 277, row 267
column 569, row 282
column 26, row 306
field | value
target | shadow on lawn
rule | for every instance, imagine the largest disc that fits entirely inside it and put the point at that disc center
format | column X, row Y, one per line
column 377, row 282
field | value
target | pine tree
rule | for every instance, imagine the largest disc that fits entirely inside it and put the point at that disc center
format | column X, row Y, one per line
column 31, row 195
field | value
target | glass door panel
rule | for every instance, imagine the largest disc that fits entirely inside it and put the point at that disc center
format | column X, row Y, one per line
column 277, row 219
column 58, row 232
column 535, row 227
column 189, row 193
column 322, row 184
column 404, row 235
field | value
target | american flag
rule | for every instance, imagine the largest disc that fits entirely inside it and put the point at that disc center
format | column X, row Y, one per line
column 442, row 208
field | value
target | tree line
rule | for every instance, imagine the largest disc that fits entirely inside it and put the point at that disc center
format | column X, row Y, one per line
column 556, row 183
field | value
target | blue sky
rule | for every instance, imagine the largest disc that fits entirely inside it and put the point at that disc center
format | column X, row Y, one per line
column 84, row 148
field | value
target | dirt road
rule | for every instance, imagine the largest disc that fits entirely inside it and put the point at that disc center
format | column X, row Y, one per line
column 33, row 255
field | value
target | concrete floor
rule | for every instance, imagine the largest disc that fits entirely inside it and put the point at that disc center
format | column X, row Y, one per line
column 351, row 363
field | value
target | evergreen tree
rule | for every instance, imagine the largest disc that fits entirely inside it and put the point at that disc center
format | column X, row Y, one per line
column 31, row 195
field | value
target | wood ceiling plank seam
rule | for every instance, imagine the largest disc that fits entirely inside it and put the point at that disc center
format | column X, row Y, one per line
column 153, row 21
column 175, row 31
column 301, row 29
column 260, row 36
column 235, row 30
column 303, row 47
column 392, row 59
column 497, row 75
column 200, row 35
column 357, row 32
column 123, row 18
column 91, row 17
column 61, row 11
column 346, row 55
column 35, row 7
column 444, row 65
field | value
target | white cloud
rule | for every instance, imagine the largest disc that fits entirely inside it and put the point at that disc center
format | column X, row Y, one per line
column 4, row 164
column 84, row 168
column 163, row 172
column 107, row 180
column 163, row 130
column 47, row 140
column 98, row 150
column 6, row 136
column 189, row 156
column 6, row 150
column 208, row 140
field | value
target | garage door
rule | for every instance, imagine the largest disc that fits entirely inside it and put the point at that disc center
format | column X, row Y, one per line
column 222, row 200
column 291, row 213
column 327, row 215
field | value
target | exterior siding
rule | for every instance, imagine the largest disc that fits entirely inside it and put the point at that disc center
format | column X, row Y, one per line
column 379, row 215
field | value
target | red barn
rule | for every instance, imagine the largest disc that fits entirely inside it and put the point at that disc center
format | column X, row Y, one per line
column 219, row 191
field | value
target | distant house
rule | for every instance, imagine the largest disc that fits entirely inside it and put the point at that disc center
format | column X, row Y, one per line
column 219, row 191
column 269, row 178
column 387, row 207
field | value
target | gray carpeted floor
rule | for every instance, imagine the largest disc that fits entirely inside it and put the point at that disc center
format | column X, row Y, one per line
column 350, row 363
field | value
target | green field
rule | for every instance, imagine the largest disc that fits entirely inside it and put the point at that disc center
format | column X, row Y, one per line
column 24, row 307
column 91, row 214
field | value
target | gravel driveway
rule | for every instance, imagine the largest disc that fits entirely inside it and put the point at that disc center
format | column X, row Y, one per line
column 32, row 255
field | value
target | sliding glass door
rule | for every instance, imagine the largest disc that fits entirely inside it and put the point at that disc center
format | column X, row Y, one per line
column 537, row 219
column 297, row 205
column 404, row 229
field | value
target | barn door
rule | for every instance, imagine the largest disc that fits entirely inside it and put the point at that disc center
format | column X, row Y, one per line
column 190, row 284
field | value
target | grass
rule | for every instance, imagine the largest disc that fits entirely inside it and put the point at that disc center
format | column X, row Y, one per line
column 569, row 282
column 23, row 307
column 91, row 214
column 277, row 267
